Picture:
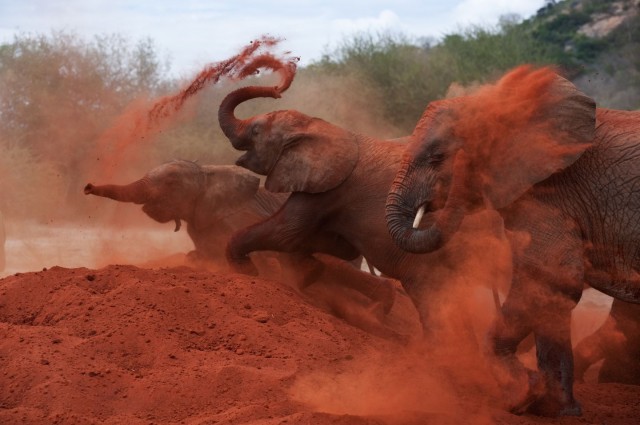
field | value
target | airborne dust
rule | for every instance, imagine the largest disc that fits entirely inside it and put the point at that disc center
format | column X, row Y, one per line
column 449, row 376
column 51, row 222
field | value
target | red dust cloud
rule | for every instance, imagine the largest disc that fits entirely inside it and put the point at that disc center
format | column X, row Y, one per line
column 240, row 66
column 143, row 120
column 516, row 132
column 454, row 374
column 263, row 352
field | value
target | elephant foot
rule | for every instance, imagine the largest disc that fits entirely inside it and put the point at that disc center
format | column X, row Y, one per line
column 550, row 406
column 244, row 266
column 535, row 391
column 540, row 402
column 195, row 257
column 385, row 294
column 309, row 272
column 377, row 310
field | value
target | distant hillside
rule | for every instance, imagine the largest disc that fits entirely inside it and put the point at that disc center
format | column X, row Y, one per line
column 601, row 38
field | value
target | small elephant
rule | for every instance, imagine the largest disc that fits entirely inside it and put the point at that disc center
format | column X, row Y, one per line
column 214, row 200
column 218, row 200
column 563, row 176
column 617, row 342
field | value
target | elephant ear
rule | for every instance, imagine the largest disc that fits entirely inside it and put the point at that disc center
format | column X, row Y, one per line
column 226, row 189
column 531, row 124
column 315, row 160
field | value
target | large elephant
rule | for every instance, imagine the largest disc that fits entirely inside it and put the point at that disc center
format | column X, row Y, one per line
column 339, row 182
column 563, row 176
column 617, row 343
column 218, row 200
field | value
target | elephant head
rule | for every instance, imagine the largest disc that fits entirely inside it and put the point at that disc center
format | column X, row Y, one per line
column 486, row 150
column 184, row 190
column 289, row 147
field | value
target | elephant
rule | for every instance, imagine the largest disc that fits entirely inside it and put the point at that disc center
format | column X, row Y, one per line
column 617, row 342
column 563, row 175
column 218, row 200
column 214, row 201
column 338, row 182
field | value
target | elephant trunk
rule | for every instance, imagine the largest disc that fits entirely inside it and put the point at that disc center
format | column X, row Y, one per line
column 400, row 213
column 233, row 127
column 136, row 192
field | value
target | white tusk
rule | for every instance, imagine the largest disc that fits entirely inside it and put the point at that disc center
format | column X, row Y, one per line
column 419, row 215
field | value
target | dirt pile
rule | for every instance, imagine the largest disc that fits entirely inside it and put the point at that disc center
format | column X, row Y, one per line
column 127, row 345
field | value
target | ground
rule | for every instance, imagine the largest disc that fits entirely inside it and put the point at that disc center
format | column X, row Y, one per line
column 167, row 344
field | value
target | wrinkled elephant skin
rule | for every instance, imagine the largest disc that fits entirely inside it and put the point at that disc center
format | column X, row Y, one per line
column 339, row 182
column 560, row 172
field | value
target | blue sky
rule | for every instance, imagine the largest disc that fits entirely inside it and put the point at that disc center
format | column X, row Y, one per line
column 192, row 33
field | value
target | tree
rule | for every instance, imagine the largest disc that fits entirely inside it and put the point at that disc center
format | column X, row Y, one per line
column 58, row 92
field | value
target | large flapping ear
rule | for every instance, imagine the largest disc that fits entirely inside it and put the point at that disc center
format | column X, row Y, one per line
column 531, row 124
column 226, row 189
column 317, row 159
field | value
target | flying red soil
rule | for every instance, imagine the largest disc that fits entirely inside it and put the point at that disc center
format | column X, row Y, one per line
column 128, row 345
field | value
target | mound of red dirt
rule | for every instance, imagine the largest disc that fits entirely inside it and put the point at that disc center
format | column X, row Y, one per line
column 125, row 345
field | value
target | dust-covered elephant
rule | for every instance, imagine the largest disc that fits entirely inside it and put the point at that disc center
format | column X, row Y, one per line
column 218, row 200
column 338, row 182
column 214, row 201
column 563, row 176
column 617, row 343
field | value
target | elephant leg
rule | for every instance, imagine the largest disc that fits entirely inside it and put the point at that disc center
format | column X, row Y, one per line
column 555, row 363
column 510, row 328
column 305, row 270
column 622, row 355
column 379, row 289
column 300, row 269
column 534, row 308
column 548, row 276
column 294, row 228
column 331, row 244
column 285, row 231
column 593, row 348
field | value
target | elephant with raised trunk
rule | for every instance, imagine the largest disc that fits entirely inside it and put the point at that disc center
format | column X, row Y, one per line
column 338, row 182
column 564, row 177
column 218, row 200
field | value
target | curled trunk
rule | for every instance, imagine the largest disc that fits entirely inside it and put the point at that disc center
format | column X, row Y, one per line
column 233, row 127
column 400, row 213
column 136, row 192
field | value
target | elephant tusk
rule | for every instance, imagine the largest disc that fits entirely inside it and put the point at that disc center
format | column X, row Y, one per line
column 419, row 215
column 178, row 224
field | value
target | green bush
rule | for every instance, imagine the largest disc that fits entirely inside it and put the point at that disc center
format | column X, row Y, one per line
column 409, row 74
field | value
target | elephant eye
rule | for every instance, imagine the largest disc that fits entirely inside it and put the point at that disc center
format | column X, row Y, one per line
column 255, row 130
column 436, row 159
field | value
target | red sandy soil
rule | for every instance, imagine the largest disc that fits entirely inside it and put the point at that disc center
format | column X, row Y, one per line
column 129, row 345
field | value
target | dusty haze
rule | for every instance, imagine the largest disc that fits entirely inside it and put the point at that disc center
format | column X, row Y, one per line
column 122, row 333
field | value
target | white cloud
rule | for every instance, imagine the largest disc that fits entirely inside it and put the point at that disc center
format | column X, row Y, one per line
column 488, row 12
column 195, row 32
column 386, row 19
